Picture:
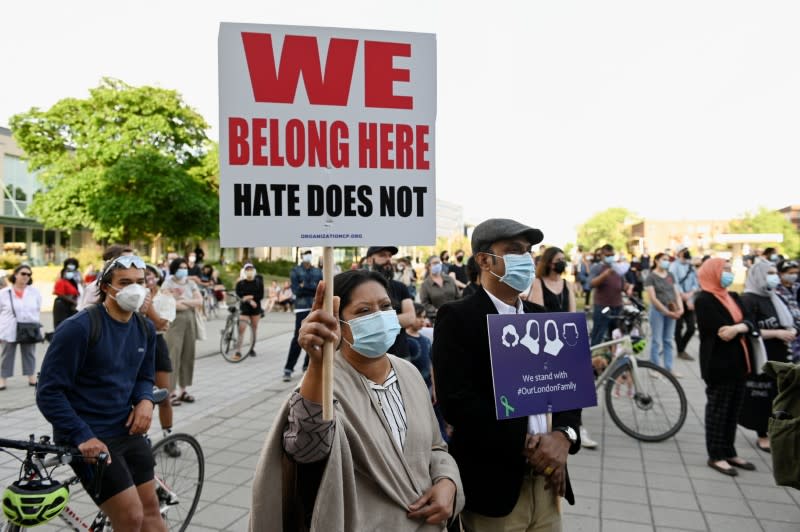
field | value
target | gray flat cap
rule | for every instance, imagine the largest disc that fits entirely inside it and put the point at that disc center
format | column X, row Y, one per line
column 490, row 231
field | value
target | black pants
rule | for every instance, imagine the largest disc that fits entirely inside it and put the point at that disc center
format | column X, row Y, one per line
column 294, row 347
column 682, row 337
column 724, row 402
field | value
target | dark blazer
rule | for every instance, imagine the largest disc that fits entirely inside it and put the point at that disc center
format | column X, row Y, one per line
column 488, row 451
column 720, row 361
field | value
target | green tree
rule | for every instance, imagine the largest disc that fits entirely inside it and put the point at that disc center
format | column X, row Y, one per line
column 127, row 162
column 768, row 221
column 611, row 226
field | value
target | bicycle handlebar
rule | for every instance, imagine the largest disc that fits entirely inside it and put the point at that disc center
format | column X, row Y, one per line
column 33, row 446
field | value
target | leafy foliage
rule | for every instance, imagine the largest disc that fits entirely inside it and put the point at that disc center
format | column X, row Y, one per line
column 127, row 162
column 611, row 226
column 768, row 221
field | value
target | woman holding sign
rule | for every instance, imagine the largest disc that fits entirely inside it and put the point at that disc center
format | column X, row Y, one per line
column 381, row 462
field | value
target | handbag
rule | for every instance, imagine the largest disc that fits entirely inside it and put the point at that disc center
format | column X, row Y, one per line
column 200, row 321
column 758, row 354
column 27, row 332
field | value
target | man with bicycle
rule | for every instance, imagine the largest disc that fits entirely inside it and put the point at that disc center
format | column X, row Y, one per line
column 97, row 392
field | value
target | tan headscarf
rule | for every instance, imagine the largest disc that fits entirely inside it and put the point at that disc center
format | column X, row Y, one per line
column 709, row 276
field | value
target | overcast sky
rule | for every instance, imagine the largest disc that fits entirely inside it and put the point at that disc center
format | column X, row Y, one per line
column 548, row 112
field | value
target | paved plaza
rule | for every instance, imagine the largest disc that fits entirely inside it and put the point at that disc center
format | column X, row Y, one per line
column 623, row 486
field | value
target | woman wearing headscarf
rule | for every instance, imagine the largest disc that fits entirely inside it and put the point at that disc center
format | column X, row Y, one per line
column 778, row 329
column 724, row 362
column 380, row 463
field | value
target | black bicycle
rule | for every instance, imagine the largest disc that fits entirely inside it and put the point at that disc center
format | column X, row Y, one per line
column 179, row 475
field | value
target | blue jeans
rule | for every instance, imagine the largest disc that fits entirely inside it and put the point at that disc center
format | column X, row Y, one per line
column 294, row 347
column 602, row 324
column 662, row 330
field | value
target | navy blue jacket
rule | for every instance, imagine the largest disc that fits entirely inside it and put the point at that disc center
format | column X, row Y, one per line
column 89, row 392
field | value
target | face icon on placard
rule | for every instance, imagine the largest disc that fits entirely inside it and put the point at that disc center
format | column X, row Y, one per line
column 510, row 330
column 570, row 334
column 530, row 342
column 552, row 345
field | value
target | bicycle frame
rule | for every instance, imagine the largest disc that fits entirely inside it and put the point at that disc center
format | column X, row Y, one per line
column 624, row 355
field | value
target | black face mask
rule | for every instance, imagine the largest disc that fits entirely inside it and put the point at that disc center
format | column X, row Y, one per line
column 560, row 266
column 459, row 258
column 384, row 269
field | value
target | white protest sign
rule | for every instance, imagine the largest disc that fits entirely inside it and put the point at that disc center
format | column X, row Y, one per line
column 327, row 136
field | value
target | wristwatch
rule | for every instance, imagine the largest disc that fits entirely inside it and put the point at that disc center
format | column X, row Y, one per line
column 569, row 432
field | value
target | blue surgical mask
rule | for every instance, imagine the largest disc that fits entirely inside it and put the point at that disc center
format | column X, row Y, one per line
column 182, row 273
column 726, row 280
column 609, row 259
column 519, row 271
column 773, row 280
column 375, row 333
column 307, row 258
column 664, row 264
column 436, row 269
column 69, row 275
column 773, row 257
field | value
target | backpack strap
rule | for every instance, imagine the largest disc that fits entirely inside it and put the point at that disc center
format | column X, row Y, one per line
column 96, row 324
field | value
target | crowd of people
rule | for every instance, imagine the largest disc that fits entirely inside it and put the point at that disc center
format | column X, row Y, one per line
column 415, row 442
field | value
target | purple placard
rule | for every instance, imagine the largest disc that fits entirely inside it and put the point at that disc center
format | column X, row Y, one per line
column 540, row 363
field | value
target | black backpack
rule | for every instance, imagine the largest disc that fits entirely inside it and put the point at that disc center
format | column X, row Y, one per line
column 96, row 324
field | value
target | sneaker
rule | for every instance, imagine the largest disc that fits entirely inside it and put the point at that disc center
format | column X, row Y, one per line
column 683, row 355
column 251, row 353
column 287, row 376
column 172, row 450
column 586, row 441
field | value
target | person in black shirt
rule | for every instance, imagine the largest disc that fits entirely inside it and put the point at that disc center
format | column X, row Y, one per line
column 250, row 290
column 473, row 273
column 458, row 271
column 379, row 259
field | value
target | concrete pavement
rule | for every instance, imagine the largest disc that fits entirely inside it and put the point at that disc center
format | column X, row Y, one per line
column 625, row 485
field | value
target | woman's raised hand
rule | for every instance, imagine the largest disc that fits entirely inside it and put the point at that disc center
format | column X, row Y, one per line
column 319, row 326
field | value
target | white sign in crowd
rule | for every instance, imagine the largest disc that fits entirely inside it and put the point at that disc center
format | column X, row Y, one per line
column 327, row 136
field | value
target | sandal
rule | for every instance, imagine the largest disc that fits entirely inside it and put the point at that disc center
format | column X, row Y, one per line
column 186, row 398
column 174, row 401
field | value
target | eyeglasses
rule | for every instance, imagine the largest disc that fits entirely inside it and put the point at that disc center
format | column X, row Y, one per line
column 25, row 274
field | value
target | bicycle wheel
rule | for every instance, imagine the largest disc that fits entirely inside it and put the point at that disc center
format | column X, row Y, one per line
column 180, row 470
column 652, row 411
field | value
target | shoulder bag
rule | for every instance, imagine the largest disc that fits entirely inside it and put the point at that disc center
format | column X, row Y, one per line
column 27, row 332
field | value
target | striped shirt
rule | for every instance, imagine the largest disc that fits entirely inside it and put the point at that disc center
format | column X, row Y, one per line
column 391, row 402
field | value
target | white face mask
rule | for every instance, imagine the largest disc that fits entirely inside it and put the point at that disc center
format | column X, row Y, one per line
column 130, row 298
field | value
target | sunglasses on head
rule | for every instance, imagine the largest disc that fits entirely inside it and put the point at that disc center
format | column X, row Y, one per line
column 126, row 261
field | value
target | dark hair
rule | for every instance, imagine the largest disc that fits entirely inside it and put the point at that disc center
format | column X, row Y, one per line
column 115, row 250
column 442, row 254
column 13, row 277
column 104, row 278
column 71, row 260
column 543, row 267
column 419, row 309
column 787, row 264
column 607, row 247
column 472, row 270
column 345, row 282
column 658, row 257
column 768, row 251
column 175, row 264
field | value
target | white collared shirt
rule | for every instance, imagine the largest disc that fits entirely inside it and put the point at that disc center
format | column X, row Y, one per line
column 537, row 423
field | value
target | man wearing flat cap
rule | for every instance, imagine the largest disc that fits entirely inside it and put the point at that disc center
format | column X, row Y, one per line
column 379, row 259
column 512, row 469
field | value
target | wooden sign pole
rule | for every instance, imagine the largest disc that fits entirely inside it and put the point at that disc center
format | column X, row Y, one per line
column 328, row 349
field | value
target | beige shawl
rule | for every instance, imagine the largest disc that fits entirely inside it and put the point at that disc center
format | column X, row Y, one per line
column 368, row 481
